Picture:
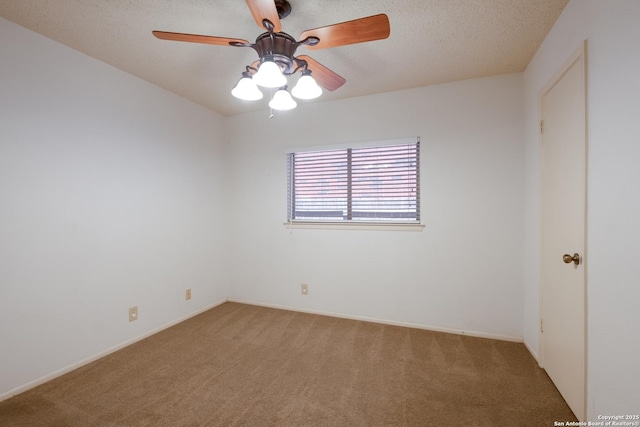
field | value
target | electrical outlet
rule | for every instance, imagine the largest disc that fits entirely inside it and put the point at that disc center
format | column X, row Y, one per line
column 187, row 295
column 305, row 289
column 133, row 313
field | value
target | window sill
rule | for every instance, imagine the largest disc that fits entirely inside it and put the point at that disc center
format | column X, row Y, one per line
column 376, row 226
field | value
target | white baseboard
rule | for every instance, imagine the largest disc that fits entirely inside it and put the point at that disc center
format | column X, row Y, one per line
column 386, row 322
column 86, row 361
column 532, row 351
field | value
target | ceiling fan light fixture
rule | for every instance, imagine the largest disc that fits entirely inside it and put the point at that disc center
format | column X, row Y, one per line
column 306, row 88
column 282, row 100
column 246, row 89
column 269, row 75
column 276, row 52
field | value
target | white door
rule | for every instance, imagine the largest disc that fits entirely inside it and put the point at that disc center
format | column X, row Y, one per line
column 563, row 326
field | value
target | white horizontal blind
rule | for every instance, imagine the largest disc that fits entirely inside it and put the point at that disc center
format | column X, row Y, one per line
column 364, row 184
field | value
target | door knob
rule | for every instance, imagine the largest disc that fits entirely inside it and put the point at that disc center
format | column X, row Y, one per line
column 571, row 259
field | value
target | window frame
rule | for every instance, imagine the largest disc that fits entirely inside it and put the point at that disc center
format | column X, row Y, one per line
column 353, row 224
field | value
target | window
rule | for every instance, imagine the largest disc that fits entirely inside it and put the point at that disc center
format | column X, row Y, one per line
column 376, row 184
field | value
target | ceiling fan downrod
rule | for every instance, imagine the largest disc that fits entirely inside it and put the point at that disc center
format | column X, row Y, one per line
column 283, row 7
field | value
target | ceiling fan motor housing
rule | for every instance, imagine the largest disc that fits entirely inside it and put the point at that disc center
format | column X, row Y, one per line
column 283, row 49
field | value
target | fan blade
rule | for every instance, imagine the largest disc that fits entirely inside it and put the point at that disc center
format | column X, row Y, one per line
column 324, row 76
column 265, row 9
column 194, row 38
column 361, row 30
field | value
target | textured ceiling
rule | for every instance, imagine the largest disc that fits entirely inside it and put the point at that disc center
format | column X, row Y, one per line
column 431, row 41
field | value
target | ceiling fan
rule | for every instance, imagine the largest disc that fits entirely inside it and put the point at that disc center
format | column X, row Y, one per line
column 276, row 52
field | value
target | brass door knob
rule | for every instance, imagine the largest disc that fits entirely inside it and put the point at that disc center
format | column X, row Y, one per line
column 571, row 259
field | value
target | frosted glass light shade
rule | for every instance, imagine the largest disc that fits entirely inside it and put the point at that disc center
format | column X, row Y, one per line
column 269, row 75
column 306, row 88
column 246, row 89
column 282, row 101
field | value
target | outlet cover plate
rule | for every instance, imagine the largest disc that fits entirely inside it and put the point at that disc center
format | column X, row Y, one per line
column 133, row 313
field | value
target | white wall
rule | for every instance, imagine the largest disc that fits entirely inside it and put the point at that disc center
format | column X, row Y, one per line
column 111, row 195
column 464, row 271
column 613, row 235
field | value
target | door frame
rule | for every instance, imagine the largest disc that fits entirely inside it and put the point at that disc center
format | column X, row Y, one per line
column 580, row 52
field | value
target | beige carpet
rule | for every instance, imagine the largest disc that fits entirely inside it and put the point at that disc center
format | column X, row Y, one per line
column 241, row 365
